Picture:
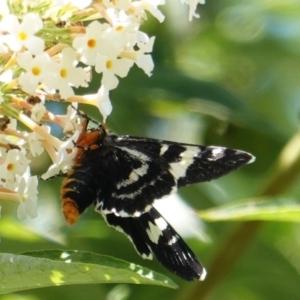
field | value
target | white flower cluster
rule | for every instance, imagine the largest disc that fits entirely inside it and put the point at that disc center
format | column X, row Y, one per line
column 46, row 50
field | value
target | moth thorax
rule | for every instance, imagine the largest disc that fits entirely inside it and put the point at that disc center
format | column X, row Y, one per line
column 87, row 140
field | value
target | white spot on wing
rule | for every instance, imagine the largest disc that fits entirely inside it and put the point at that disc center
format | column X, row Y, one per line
column 252, row 158
column 203, row 275
column 178, row 169
column 136, row 153
column 133, row 176
column 163, row 149
column 216, row 153
column 155, row 231
column 145, row 256
column 173, row 240
column 161, row 223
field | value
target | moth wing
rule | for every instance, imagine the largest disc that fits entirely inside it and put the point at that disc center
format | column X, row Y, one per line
column 151, row 233
column 132, row 181
column 190, row 163
column 141, row 171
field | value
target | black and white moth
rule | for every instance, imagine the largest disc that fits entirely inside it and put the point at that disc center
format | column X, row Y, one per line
column 122, row 176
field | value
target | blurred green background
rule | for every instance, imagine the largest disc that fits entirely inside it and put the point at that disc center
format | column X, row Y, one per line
column 230, row 78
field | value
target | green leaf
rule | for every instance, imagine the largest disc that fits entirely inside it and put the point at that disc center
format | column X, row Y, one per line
column 265, row 209
column 56, row 267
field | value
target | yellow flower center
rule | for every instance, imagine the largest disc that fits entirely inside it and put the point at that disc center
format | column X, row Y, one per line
column 63, row 73
column 10, row 167
column 22, row 36
column 109, row 64
column 36, row 71
column 91, row 43
column 120, row 28
column 24, row 198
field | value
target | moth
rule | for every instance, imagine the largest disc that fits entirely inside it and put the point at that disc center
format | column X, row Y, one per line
column 122, row 176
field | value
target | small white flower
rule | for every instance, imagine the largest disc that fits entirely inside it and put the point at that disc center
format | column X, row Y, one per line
column 193, row 6
column 104, row 103
column 3, row 46
column 101, row 99
column 15, row 163
column 27, row 190
column 4, row 9
column 37, row 70
column 65, row 157
column 89, row 44
column 7, row 75
column 23, row 34
column 66, row 74
column 110, row 67
column 151, row 6
column 34, row 141
column 35, row 144
column 81, row 4
column 71, row 119
column 120, row 34
column 144, row 61
column 117, row 4
column 12, row 124
column 37, row 112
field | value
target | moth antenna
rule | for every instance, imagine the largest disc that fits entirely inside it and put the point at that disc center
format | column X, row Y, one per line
column 85, row 116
